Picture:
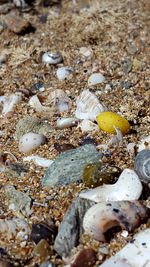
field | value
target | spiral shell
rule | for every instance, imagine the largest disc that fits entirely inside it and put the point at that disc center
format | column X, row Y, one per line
column 142, row 165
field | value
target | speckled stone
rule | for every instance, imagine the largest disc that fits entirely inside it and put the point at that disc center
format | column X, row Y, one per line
column 69, row 165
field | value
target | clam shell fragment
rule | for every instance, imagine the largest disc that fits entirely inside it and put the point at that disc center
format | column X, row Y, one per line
column 135, row 253
column 60, row 101
column 103, row 216
column 88, row 126
column 128, row 187
column 88, row 106
column 9, row 102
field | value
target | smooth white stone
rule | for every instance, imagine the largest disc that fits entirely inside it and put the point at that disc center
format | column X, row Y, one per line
column 64, row 72
column 66, row 122
column 52, row 58
column 30, row 141
column 96, row 78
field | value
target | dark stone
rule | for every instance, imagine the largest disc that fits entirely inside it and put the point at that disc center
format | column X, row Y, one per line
column 43, row 231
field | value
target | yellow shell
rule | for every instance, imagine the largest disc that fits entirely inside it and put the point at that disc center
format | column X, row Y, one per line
column 107, row 120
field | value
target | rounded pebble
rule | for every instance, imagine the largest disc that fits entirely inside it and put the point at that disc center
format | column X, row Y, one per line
column 52, row 58
column 30, row 141
column 107, row 121
column 96, row 78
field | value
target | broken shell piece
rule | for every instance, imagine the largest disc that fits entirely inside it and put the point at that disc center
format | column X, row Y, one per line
column 86, row 52
column 88, row 126
column 66, row 122
column 9, row 102
column 135, row 253
column 142, row 165
column 14, row 228
column 35, row 103
column 144, row 144
column 96, row 78
column 88, row 106
column 30, row 141
column 103, row 216
column 6, row 158
column 116, row 139
column 52, row 58
column 60, row 101
column 128, row 187
column 64, row 73
column 39, row 160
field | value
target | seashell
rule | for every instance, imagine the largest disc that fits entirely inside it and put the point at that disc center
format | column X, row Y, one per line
column 131, row 148
column 88, row 126
column 96, row 78
column 142, row 165
column 128, row 187
column 36, row 104
column 39, row 160
column 86, row 52
column 20, row 3
column 135, row 253
column 52, row 58
column 60, row 101
column 66, row 122
column 30, row 141
column 103, row 216
column 64, row 72
column 144, row 144
column 6, row 158
column 107, row 121
column 88, row 106
column 14, row 228
column 9, row 102
column 116, row 139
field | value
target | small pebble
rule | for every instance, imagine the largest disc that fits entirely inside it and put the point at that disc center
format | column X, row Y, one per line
column 96, row 78
column 31, row 141
column 64, row 72
column 16, row 24
column 52, row 58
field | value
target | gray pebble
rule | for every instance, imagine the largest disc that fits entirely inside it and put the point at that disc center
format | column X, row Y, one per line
column 68, row 166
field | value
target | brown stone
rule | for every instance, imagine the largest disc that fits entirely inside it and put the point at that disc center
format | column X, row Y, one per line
column 86, row 257
column 16, row 23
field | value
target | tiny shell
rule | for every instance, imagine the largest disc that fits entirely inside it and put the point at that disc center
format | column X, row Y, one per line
column 144, row 144
column 135, row 253
column 88, row 126
column 9, row 102
column 86, row 52
column 66, row 122
column 142, row 165
column 88, row 106
column 52, row 58
column 35, row 103
column 30, row 141
column 108, row 120
column 64, row 72
column 103, row 216
column 60, row 101
column 43, row 162
column 128, row 187
column 96, row 78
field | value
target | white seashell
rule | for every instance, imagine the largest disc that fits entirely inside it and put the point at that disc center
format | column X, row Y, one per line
column 64, row 72
column 30, row 141
column 144, row 144
column 86, row 52
column 96, row 78
column 14, row 228
column 66, row 122
column 9, row 102
column 128, row 187
column 131, row 148
column 20, row 3
column 35, row 103
column 52, row 58
column 116, row 139
column 103, row 216
column 39, row 160
column 88, row 126
column 88, row 106
column 60, row 101
column 135, row 254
